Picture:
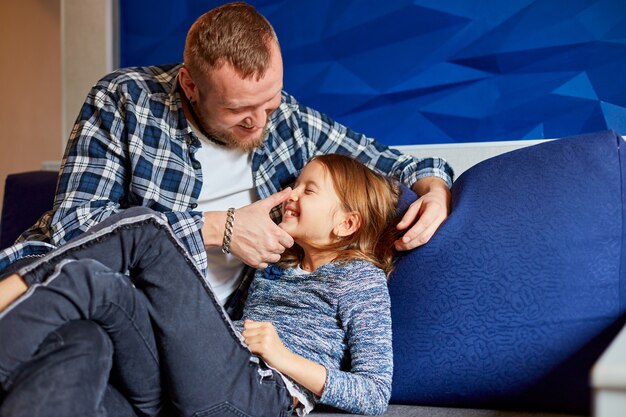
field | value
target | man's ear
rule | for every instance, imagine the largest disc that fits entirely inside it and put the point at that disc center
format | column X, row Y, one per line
column 187, row 84
column 350, row 223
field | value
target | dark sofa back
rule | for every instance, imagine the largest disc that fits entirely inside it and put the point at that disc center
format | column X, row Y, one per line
column 27, row 196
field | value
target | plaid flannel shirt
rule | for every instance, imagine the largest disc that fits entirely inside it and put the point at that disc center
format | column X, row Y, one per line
column 132, row 146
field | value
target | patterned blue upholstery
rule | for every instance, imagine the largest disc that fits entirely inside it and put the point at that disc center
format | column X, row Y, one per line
column 522, row 288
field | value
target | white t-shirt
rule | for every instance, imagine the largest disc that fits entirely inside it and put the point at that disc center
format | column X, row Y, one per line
column 226, row 182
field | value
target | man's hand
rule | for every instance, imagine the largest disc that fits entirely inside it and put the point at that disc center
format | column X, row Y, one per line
column 256, row 239
column 426, row 214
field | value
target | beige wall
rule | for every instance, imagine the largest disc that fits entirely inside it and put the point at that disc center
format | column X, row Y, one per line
column 30, row 74
column 88, row 52
column 52, row 52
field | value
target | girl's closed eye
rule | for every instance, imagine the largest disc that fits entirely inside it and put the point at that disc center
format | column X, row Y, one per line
column 311, row 187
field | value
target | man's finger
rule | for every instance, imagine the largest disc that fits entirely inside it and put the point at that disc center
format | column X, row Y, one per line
column 410, row 215
column 273, row 258
column 285, row 239
column 277, row 198
column 418, row 240
column 425, row 221
column 420, row 234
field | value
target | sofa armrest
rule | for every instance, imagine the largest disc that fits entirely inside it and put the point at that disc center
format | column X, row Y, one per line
column 27, row 195
column 608, row 379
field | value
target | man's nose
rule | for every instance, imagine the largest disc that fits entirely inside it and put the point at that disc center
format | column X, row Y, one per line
column 257, row 118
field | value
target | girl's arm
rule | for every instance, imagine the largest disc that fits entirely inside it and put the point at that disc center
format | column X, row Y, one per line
column 364, row 311
column 263, row 340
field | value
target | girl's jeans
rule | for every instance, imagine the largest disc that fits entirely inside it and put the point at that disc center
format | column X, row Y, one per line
column 183, row 337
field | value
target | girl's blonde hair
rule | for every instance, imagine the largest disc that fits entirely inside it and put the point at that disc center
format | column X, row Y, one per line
column 375, row 198
column 234, row 34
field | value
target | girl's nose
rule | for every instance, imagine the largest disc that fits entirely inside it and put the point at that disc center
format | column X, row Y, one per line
column 295, row 194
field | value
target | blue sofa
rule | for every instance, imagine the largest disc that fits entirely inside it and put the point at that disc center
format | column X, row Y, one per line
column 514, row 299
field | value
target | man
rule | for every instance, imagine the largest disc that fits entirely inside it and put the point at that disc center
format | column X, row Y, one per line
column 218, row 132
column 192, row 140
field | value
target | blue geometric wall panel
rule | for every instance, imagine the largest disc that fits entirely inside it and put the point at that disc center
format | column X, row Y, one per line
column 430, row 71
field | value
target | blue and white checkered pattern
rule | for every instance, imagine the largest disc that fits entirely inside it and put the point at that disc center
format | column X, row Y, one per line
column 132, row 146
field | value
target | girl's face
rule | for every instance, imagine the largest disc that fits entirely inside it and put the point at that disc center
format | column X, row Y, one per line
column 313, row 212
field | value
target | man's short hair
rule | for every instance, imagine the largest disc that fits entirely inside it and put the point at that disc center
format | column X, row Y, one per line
column 234, row 34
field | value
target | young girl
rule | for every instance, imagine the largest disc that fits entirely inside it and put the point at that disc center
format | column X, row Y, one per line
column 319, row 319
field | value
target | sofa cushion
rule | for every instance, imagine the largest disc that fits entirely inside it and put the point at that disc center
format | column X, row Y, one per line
column 27, row 196
column 522, row 287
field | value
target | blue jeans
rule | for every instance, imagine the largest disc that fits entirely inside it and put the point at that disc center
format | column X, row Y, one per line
column 205, row 367
column 67, row 376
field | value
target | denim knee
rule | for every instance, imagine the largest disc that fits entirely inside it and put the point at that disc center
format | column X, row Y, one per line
column 87, row 337
column 67, row 376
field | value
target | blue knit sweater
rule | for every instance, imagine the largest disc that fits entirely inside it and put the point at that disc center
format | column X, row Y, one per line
column 338, row 316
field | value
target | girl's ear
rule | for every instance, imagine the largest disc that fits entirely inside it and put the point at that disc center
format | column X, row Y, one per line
column 350, row 223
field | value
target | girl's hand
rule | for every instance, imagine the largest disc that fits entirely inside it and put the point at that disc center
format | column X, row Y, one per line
column 263, row 340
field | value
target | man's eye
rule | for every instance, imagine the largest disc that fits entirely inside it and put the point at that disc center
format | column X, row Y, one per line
column 236, row 111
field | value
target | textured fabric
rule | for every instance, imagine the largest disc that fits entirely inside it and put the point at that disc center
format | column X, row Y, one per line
column 396, row 410
column 132, row 146
column 524, row 285
column 337, row 316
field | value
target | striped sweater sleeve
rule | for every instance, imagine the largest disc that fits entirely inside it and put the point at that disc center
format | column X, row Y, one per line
column 364, row 310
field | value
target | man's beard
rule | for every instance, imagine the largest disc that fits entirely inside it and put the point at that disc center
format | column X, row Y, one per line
column 228, row 139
